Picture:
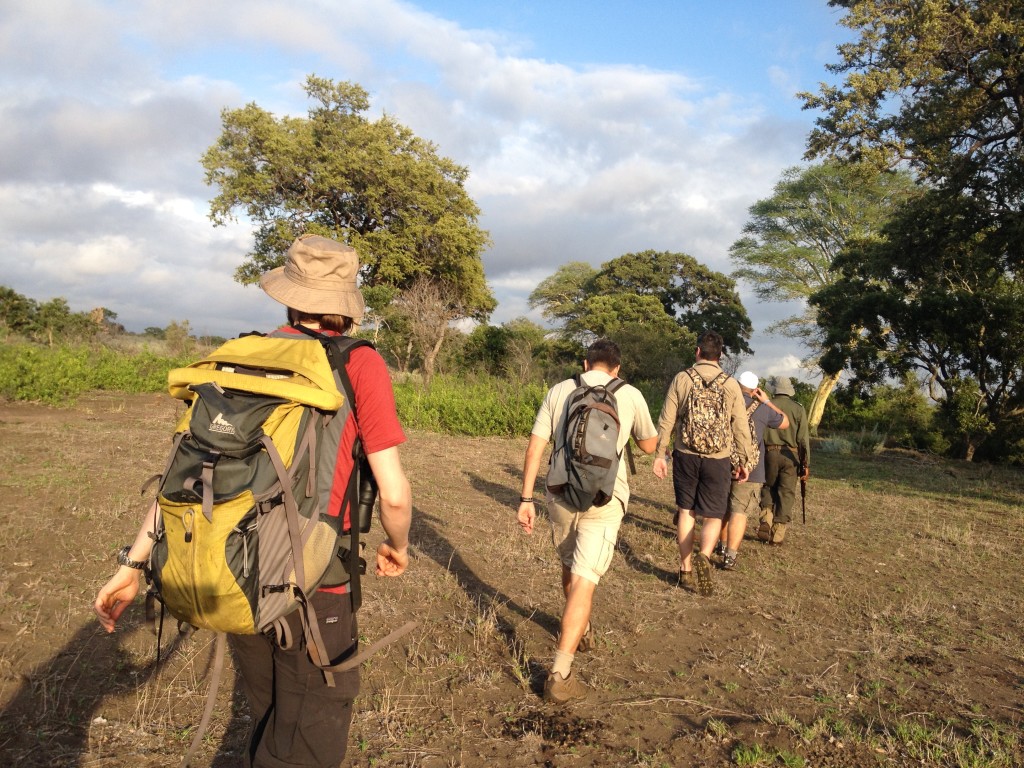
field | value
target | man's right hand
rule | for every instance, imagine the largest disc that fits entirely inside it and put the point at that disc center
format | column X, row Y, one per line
column 391, row 561
column 527, row 515
column 661, row 468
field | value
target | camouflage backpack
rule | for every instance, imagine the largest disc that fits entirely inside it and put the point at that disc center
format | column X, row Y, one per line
column 755, row 455
column 705, row 427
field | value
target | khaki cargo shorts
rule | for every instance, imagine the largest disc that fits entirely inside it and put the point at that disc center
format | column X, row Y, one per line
column 745, row 499
column 585, row 540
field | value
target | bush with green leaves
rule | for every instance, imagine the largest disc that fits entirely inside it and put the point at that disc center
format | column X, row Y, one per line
column 60, row 374
column 902, row 413
column 474, row 405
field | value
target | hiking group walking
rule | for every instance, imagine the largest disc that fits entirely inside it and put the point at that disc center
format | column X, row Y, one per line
column 716, row 427
column 291, row 438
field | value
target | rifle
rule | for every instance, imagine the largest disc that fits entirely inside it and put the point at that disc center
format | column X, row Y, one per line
column 802, row 469
column 803, row 495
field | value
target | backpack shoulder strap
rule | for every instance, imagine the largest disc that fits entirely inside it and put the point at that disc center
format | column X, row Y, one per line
column 615, row 385
column 339, row 349
column 695, row 377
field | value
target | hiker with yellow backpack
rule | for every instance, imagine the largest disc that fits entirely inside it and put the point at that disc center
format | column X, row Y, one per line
column 255, row 530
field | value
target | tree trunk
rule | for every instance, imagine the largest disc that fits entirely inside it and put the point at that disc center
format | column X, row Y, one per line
column 828, row 383
column 969, row 449
column 429, row 357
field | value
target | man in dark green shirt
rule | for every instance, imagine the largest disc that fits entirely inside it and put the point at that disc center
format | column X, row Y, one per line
column 787, row 458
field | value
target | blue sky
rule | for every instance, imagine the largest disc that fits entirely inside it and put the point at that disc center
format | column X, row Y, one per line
column 590, row 130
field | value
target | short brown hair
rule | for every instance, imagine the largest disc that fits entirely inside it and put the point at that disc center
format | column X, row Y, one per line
column 337, row 323
column 710, row 345
column 606, row 352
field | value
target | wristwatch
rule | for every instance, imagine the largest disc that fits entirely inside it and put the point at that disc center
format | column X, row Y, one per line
column 123, row 559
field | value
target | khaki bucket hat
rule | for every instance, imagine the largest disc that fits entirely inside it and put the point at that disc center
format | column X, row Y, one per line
column 318, row 277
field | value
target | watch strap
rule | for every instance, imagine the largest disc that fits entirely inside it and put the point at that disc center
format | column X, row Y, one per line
column 123, row 559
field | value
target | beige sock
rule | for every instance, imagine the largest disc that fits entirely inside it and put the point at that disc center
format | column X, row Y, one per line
column 563, row 663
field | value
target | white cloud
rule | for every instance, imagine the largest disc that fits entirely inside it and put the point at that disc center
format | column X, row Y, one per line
column 106, row 108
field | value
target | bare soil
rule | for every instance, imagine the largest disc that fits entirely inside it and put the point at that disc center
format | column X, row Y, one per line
column 886, row 632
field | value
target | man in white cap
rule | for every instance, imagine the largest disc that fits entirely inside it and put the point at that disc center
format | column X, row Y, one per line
column 745, row 498
column 787, row 459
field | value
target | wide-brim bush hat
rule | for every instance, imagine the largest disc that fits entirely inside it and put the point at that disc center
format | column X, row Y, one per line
column 748, row 379
column 318, row 278
column 783, row 386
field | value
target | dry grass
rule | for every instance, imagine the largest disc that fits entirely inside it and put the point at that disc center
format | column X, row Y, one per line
column 886, row 632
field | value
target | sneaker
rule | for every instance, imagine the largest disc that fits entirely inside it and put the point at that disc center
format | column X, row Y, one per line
column 728, row 562
column 687, row 582
column 717, row 555
column 702, row 571
column 561, row 690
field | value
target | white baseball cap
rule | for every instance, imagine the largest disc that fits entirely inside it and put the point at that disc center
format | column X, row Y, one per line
column 748, row 379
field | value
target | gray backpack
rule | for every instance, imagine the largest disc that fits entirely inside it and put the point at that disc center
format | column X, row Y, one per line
column 585, row 460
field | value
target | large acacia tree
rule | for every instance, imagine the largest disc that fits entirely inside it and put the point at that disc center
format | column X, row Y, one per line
column 938, row 86
column 793, row 239
column 370, row 183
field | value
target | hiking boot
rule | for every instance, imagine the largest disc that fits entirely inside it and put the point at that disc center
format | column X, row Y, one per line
column 778, row 534
column 561, row 690
column 728, row 562
column 702, row 572
column 587, row 641
column 687, row 582
column 764, row 530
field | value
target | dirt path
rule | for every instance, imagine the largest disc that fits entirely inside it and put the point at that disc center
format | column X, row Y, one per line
column 886, row 632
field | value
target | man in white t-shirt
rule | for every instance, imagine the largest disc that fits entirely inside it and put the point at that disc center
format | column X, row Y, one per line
column 584, row 539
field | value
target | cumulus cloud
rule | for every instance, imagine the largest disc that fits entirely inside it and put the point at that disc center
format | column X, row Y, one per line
column 106, row 108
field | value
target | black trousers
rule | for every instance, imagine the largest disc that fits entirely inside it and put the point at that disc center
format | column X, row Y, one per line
column 298, row 720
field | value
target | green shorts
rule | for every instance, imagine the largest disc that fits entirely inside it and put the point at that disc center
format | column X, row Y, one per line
column 745, row 499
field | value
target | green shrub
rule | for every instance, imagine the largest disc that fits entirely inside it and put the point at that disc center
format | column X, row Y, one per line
column 59, row 374
column 478, row 405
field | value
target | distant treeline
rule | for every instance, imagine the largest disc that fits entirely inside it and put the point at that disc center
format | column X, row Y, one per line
column 489, row 381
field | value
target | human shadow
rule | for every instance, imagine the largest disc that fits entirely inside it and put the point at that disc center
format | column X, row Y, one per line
column 506, row 495
column 427, row 535
column 640, row 565
column 61, row 712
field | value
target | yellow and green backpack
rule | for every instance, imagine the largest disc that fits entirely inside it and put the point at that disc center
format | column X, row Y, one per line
column 243, row 535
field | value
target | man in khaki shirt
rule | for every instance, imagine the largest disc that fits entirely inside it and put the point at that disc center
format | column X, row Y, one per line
column 584, row 539
column 702, row 481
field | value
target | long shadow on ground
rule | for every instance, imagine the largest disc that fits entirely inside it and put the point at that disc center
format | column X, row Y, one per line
column 426, row 534
column 73, row 689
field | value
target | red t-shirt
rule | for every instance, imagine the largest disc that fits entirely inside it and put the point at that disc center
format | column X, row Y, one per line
column 376, row 421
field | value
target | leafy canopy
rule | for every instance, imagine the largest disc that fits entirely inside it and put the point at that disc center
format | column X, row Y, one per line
column 370, row 183
column 670, row 294
column 938, row 86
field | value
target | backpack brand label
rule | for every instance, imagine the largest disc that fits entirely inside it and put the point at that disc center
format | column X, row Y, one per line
column 220, row 424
